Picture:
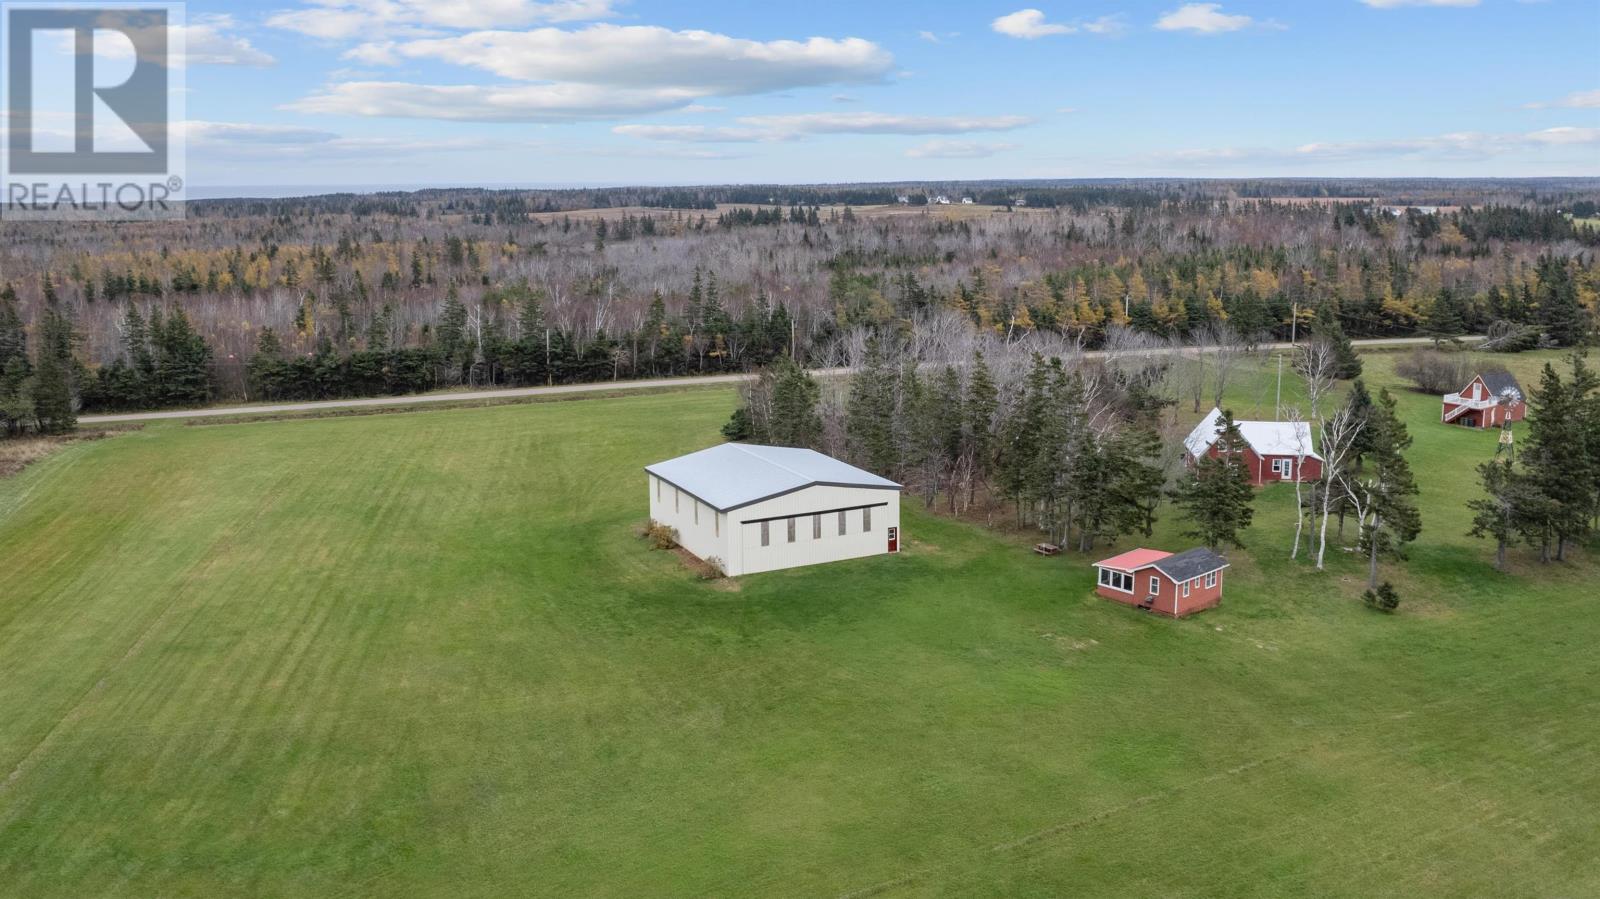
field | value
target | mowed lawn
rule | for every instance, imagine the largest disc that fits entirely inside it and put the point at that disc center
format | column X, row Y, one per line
column 426, row 655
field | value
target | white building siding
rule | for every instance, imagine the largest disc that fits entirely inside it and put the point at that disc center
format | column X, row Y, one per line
column 702, row 530
column 734, row 538
column 803, row 507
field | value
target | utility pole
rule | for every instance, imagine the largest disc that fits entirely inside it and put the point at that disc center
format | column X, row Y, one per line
column 1277, row 409
column 549, row 376
column 1294, row 333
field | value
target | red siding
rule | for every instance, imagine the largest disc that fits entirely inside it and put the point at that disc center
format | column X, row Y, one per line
column 1169, row 596
column 1493, row 417
column 1260, row 467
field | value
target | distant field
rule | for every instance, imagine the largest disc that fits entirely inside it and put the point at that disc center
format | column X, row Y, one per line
column 424, row 655
column 954, row 211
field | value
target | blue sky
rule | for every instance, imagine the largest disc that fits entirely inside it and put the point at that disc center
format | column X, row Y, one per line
column 634, row 91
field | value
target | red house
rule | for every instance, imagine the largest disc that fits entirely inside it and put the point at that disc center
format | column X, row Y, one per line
column 1488, row 401
column 1158, row 581
column 1274, row 450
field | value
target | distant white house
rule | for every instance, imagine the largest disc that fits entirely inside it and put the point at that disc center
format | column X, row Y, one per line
column 762, row 508
column 966, row 201
column 940, row 200
column 903, row 200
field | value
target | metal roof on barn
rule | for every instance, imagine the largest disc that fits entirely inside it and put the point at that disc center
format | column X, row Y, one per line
column 1133, row 559
column 1267, row 438
column 734, row 475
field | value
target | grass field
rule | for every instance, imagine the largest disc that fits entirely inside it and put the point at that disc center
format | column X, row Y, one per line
column 425, row 655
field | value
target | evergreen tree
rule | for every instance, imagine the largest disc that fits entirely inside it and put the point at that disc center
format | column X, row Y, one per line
column 1217, row 497
column 1386, row 506
column 946, row 426
column 1559, row 458
column 1560, row 312
column 1347, row 362
column 1444, row 321
column 1360, row 403
column 869, row 412
column 1510, row 508
column 794, row 406
column 16, row 371
column 54, row 392
column 978, row 409
column 1134, row 482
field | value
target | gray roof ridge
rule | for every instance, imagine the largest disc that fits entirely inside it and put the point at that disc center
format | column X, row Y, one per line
column 744, row 448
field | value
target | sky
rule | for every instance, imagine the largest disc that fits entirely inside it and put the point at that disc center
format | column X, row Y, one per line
column 418, row 92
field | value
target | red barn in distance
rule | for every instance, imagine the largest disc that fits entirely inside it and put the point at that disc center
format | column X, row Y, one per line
column 1159, row 581
column 1274, row 450
column 1488, row 401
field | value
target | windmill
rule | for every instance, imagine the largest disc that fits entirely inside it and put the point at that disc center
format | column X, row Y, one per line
column 1508, row 398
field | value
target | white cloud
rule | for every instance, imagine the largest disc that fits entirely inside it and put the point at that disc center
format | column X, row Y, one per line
column 1578, row 100
column 699, row 134
column 1202, row 18
column 206, row 41
column 598, row 72
column 929, row 36
column 754, row 129
column 487, row 103
column 956, row 149
column 349, row 19
column 882, row 123
column 1392, row 4
column 200, row 134
column 648, row 57
column 1028, row 24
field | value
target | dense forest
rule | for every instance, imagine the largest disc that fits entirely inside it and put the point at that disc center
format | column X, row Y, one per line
column 351, row 294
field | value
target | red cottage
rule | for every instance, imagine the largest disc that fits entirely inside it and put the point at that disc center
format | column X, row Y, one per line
column 1175, row 585
column 1274, row 450
column 1488, row 401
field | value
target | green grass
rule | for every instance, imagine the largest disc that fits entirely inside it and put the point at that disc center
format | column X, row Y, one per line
column 425, row 655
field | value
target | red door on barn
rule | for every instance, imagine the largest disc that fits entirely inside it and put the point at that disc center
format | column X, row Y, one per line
column 894, row 540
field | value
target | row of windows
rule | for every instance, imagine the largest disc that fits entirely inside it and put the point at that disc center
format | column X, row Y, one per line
column 1118, row 580
column 816, row 525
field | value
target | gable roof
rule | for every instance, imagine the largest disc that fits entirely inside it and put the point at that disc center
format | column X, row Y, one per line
column 1133, row 559
column 1267, row 438
column 1191, row 564
column 733, row 475
column 1499, row 382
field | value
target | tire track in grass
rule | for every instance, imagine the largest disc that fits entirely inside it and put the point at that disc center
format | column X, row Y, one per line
column 1150, row 799
column 79, row 708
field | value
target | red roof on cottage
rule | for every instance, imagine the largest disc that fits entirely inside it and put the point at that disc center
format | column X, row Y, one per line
column 1133, row 559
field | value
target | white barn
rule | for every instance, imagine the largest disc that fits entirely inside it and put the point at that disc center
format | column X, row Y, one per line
column 762, row 508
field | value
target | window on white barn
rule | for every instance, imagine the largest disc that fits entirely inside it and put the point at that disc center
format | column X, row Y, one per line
column 791, row 530
column 677, row 496
column 696, row 511
column 766, row 533
column 716, row 524
column 841, row 524
column 866, row 519
column 816, row 527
